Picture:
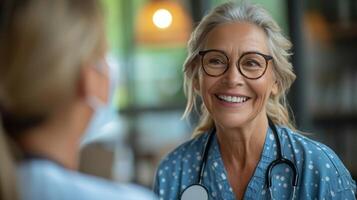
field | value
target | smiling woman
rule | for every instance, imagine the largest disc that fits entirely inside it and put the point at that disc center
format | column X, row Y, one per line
column 245, row 146
column 247, row 48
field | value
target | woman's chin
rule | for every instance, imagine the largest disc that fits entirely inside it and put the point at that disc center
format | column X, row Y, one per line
column 232, row 122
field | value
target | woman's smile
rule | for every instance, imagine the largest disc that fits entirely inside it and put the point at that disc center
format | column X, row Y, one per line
column 232, row 99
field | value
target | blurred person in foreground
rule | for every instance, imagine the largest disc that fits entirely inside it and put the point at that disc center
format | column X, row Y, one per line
column 53, row 78
column 245, row 145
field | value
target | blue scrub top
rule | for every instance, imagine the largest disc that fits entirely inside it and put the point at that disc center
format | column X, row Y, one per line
column 322, row 175
column 41, row 179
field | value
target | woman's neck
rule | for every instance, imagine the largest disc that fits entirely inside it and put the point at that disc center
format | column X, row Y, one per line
column 244, row 144
column 58, row 139
column 241, row 150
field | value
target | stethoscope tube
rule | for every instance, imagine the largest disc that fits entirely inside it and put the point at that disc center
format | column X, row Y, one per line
column 199, row 191
column 280, row 160
column 205, row 153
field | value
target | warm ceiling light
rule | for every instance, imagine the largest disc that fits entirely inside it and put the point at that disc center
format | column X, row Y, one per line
column 162, row 22
column 162, row 18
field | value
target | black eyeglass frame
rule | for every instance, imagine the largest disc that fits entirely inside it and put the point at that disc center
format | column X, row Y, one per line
column 266, row 57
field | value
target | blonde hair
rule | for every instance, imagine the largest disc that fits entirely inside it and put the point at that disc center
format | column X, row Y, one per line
column 43, row 45
column 279, row 46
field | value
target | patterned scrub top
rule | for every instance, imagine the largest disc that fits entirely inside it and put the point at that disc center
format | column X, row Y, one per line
column 322, row 175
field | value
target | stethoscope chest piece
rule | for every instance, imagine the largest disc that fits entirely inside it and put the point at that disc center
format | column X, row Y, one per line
column 195, row 191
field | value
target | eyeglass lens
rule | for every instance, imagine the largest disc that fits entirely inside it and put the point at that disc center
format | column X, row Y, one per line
column 251, row 65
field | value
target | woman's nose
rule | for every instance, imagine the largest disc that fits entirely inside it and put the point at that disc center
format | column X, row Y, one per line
column 233, row 77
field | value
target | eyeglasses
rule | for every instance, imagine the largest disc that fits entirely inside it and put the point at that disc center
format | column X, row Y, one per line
column 252, row 65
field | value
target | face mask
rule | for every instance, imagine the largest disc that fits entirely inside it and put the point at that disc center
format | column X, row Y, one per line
column 105, row 123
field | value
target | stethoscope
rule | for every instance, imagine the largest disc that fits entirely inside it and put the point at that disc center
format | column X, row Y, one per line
column 198, row 191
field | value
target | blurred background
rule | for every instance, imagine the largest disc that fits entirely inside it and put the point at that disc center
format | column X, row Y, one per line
column 147, row 41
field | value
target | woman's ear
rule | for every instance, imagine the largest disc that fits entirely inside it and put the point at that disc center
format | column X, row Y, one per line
column 92, row 83
column 196, row 85
column 275, row 88
column 195, row 81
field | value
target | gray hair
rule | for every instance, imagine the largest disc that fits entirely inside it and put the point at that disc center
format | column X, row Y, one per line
column 279, row 46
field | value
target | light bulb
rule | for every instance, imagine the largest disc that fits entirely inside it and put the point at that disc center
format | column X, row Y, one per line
column 162, row 18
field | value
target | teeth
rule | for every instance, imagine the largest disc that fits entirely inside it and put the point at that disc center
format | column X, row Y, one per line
column 233, row 99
